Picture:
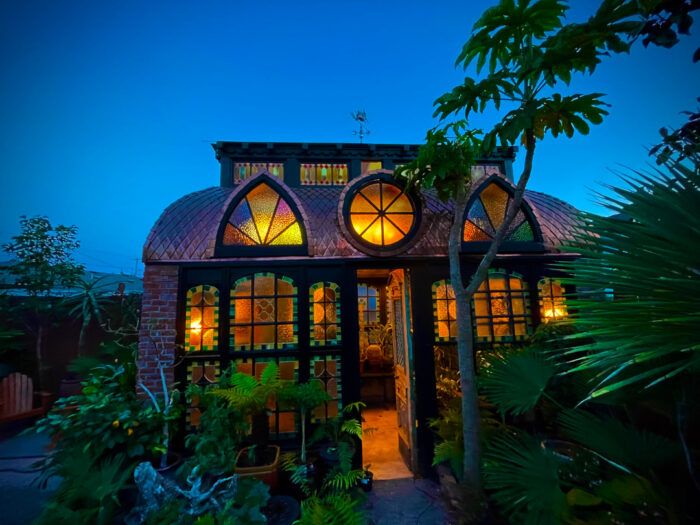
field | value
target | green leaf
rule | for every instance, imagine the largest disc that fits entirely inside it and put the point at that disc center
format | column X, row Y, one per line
column 581, row 498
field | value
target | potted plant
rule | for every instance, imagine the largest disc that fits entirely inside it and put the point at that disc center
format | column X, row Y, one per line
column 252, row 397
column 340, row 433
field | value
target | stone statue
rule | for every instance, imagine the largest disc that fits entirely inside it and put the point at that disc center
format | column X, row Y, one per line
column 155, row 491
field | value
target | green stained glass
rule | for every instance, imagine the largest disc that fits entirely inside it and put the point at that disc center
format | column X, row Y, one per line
column 522, row 233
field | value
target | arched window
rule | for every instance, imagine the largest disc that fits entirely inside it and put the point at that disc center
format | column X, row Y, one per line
column 501, row 308
column 485, row 214
column 444, row 311
column 262, row 220
column 324, row 310
column 552, row 300
column 263, row 312
column 202, row 319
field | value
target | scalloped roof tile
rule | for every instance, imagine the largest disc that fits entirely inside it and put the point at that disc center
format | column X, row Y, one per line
column 187, row 229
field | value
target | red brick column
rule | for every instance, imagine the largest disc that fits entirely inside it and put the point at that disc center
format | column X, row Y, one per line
column 158, row 326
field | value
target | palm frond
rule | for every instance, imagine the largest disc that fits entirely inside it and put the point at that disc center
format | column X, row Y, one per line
column 524, row 478
column 515, row 382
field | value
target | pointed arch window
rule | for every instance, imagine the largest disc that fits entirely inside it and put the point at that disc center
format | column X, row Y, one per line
column 486, row 213
column 263, row 221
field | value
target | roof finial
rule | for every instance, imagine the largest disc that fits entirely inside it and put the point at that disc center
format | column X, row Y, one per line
column 360, row 116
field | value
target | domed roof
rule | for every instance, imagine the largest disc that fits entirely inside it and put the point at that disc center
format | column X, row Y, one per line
column 187, row 229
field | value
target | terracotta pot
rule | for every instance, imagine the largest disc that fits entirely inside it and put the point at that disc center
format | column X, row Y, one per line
column 268, row 474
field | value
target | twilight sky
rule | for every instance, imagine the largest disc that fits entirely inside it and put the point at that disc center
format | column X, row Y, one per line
column 108, row 109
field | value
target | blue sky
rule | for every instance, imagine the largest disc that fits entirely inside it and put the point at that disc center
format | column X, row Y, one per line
column 108, row 108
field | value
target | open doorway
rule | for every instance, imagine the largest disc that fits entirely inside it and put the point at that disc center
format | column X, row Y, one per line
column 382, row 309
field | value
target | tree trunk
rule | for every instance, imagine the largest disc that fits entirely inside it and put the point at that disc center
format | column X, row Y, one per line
column 471, row 422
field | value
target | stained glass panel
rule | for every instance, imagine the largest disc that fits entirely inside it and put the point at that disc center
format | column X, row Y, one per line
column 263, row 218
column 444, row 311
column 495, row 200
column 202, row 373
column 473, row 233
column 324, row 313
column 380, row 214
column 202, row 319
column 477, row 214
column 552, row 300
column 245, row 170
column 326, row 370
column 522, row 233
column 265, row 319
column 501, row 308
column 323, row 174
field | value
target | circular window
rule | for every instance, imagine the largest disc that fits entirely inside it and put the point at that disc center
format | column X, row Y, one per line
column 381, row 215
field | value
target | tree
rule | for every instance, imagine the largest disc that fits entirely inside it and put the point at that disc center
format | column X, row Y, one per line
column 44, row 261
column 529, row 53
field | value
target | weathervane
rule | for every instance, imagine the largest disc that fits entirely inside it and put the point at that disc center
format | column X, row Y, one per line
column 360, row 116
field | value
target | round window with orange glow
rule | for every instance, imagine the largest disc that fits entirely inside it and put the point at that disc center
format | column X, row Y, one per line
column 381, row 214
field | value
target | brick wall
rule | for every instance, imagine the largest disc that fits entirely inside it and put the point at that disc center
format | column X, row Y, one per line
column 158, row 325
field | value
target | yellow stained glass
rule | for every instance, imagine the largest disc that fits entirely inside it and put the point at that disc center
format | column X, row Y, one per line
column 290, row 236
column 263, row 218
column 495, row 200
column 392, row 219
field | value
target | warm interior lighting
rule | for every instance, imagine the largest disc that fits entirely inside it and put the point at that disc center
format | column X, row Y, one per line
column 555, row 313
column 196, row 327
column 381, row 214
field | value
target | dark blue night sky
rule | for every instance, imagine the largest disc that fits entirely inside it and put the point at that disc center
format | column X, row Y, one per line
column 108, row 108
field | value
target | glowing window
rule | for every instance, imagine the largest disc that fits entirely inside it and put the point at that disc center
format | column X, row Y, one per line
column 368, row 303
column 487, row 213
column 202, row 319
column 552, row 301
column 381, row 214
column 444, row 311
column 263, row 313
column 202, row 373
column 282, row 422
column 326, row 370
column 324, row 174
column 324, row 306
column 501, row 309
column 245, row 170
column 263, row 218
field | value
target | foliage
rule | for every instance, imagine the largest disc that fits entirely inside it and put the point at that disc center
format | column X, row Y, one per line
column 44, row 255
column 449, row 428
column 516, row 383
column 220, row 432
column 331, row 509
column 86, row 306
column 341, row 429
column 251, row 397
column 89, row 490
column 305, row 397
column 107, row 420
column 646, row 332
column 524, row 478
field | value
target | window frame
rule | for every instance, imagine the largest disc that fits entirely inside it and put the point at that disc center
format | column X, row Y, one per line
column 536, row 245
column 351, row 190
column 233, row 251
column 526, row 316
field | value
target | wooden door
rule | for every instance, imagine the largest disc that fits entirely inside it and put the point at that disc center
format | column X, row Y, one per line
column 401, row 320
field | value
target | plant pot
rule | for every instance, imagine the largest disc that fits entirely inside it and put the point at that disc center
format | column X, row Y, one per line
column 366, row 482
column 281, row 510
column 71, row 385
column 268, row 473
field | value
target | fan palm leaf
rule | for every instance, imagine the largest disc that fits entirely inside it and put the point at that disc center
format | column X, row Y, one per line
column 524, row 478
column 516, row 382
column 638, row 282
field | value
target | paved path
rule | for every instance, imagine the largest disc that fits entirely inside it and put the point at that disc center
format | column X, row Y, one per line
column 406, row 502
column 20, row 501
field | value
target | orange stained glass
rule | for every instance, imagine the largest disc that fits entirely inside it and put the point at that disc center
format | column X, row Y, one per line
column 202, row 318
column 495, row 200
column 552, row 301
column 263, row 217
column 381, row 214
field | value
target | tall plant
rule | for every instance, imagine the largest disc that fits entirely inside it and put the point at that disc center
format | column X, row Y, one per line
column 528, row 53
